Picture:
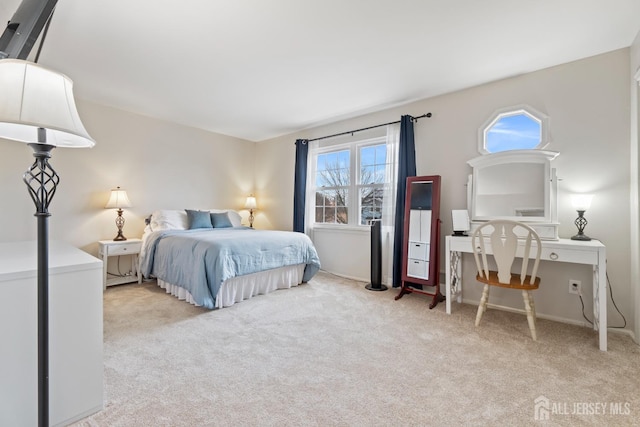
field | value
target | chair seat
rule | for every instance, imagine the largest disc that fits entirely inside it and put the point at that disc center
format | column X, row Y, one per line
column 513, row 284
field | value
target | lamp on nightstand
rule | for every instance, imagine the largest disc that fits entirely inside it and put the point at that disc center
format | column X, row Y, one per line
column 119, row 200
column 37, row 107
column 251, row 205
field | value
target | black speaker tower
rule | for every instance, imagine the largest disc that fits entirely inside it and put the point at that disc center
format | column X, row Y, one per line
column 376, row 258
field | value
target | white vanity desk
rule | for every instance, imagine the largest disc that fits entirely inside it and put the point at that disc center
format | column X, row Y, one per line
column 563, row 250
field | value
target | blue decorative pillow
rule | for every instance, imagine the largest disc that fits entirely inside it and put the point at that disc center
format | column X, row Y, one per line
column 221, row 220
column 198, row 219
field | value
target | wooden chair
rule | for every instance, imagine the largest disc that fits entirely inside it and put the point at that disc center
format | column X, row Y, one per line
column 507, row 239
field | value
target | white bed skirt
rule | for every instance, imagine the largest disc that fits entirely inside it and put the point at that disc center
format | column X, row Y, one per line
column 240, row 288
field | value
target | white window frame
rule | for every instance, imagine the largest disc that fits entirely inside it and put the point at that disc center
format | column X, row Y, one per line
column 514, row 111
column 353, row 203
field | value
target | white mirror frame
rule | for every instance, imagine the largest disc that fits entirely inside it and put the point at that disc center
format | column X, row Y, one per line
column 513, row 111
column 546, row 226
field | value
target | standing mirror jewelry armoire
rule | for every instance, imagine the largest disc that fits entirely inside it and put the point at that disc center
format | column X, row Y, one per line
column 420, row 252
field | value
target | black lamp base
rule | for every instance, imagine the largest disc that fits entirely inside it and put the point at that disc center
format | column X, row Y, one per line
column 582, row 237
column 581, row 223
column 373, row 287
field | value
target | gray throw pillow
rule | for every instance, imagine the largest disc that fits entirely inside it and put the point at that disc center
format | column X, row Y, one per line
column 198, row 219
column 221, row 220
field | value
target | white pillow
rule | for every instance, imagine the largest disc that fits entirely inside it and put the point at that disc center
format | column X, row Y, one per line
column 234, row 217
column 165, row 219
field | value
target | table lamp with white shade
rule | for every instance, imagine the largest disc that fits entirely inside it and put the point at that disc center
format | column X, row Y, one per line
column 581, row 202
column 118, row 200
column 251, row 205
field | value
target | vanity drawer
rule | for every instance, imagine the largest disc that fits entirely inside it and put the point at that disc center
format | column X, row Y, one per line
column 575, row 256
column 125, row 248
column 418, row 268
column 419, row 250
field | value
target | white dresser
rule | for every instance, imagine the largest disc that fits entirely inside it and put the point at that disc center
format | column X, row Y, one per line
column 75, row 334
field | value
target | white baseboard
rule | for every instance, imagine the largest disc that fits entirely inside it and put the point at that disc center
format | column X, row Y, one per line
column 549, row 317
column 538, row 314
column 359, row 279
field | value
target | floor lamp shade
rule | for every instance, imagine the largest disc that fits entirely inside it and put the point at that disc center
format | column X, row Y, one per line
column 37, row 108
column 32, row 98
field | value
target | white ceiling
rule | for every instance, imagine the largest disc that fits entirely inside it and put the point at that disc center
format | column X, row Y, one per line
column 256, row 69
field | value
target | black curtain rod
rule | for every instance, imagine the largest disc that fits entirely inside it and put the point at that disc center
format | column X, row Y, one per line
column 413, row 119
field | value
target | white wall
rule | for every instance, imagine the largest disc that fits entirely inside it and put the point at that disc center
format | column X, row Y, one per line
column 160, row 164
column 588, row 105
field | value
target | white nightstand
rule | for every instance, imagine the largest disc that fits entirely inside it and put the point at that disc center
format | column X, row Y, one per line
column 107, row 248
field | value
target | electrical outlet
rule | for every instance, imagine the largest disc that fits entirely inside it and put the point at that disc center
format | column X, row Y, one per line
column 575, row 286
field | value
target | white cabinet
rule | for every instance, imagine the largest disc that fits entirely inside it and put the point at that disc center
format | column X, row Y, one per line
column 420, row 225
column 75, row 334
column 419, row 243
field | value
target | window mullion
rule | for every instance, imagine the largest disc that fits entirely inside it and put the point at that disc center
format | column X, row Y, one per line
column 354, row 197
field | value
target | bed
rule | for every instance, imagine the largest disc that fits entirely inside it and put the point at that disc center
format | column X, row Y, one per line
column 209, row 259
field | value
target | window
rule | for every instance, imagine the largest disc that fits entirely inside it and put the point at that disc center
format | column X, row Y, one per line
column 350, row 183
column 373, row 167
column 515, row 128
column 333, row 182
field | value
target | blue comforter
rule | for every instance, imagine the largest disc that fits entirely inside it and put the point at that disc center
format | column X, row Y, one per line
column 200, row 260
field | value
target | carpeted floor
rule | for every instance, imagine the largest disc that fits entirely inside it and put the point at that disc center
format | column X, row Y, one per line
column 330, row 353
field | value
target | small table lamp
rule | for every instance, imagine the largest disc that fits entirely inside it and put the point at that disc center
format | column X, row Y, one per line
column 37, row 107
column 581, row 202
column 118, row 200
column 251, row 205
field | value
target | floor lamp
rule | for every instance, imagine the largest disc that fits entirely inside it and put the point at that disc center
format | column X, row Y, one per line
column 38, row 108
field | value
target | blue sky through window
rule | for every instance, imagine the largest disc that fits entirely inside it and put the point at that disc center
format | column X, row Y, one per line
column 373, row 161
column 513, row 132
